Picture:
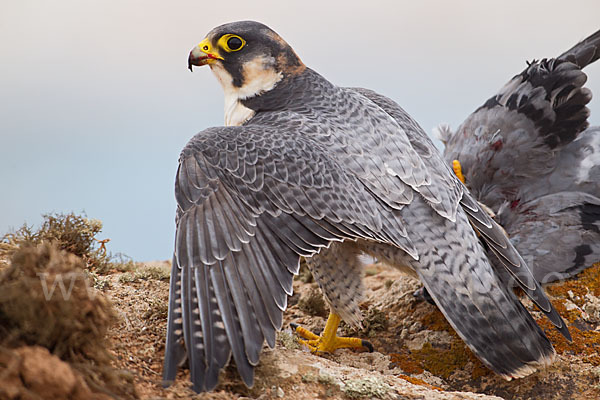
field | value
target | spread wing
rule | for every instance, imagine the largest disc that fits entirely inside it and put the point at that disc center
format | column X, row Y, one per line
column 508, row 258
column 529, row 155
column 251, row 201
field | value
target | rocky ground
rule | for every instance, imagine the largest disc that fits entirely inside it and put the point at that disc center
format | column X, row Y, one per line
column 418, row 355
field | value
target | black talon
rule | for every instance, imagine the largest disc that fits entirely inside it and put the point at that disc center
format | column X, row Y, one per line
column 294, row 326
column 368, row 345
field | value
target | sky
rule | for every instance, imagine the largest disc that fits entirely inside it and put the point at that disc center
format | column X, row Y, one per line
column 96, row 100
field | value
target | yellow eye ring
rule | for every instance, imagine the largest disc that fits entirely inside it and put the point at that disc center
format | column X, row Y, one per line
column 231, row 42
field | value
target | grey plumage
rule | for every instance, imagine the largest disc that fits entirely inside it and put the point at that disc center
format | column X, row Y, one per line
column 528, row 154
column 327, row 172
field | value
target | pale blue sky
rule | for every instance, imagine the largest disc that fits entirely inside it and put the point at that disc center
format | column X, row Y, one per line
column 96, row 101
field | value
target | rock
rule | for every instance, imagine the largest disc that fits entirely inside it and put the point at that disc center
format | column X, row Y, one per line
column 31, row 372
column 313, row 377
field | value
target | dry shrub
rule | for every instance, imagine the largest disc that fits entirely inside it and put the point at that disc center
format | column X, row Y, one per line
column 45, row 300
column 70, row 232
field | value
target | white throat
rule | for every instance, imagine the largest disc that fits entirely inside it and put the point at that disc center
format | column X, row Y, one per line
column 259, row 77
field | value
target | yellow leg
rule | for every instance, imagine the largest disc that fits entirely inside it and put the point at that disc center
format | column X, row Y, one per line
column 329, row 341
column 458, row 170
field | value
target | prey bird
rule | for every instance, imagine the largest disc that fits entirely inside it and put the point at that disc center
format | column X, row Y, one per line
column 305, row 168
column 529, row 155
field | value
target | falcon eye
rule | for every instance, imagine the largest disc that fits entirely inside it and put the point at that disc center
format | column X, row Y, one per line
column 231, row 42
column 234, row 43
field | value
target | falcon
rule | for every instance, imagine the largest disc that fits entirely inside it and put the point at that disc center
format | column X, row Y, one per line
column 305, row 168
column 529, row 154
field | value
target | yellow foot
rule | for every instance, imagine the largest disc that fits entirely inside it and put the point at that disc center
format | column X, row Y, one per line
column 329, row 341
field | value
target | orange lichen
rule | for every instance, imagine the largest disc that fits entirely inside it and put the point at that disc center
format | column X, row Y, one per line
column 586, row 340
column 479, row 369
column 586, row 343
column 443, row 362
column 405, row 362
column 436, row 321
column 420, row 382
column 587, row 281
column 569, row 315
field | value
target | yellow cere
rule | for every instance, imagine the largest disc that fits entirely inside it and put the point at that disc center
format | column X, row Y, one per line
column 205, row 47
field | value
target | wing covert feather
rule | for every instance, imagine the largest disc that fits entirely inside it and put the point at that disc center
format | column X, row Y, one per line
column 242, row 226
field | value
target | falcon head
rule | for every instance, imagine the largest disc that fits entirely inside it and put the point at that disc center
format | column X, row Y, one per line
column 247, row 57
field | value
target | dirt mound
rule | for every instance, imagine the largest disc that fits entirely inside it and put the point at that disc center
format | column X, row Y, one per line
column 46, row 302
column 31, row 372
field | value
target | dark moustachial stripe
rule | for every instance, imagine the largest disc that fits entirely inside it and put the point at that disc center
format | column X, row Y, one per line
column 259, row 42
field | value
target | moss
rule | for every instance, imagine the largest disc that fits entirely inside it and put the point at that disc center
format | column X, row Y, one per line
column 585, row 345
column 366, row 387
column 479, row 369
column 313, row 304
column 371, row 271
column 586, row 340
column 375, row 321
column 388, row 283
column 127, row 278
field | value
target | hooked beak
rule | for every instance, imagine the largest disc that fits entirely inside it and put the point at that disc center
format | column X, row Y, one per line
column 202, row 55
